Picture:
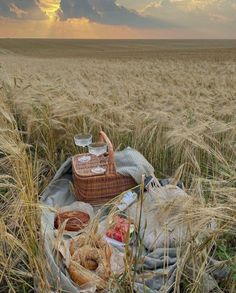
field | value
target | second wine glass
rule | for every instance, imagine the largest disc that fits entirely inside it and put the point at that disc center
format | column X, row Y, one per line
column 98, row 149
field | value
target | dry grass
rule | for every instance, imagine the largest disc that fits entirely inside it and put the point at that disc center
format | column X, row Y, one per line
column 175, row 110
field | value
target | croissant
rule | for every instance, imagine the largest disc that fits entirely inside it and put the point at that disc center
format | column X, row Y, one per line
column 90, row 264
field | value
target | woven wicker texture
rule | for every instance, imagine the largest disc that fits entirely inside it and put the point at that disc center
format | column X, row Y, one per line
column 84, row 169
column 98, row 189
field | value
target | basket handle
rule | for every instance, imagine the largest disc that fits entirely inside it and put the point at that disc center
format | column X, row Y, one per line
column 111, row 157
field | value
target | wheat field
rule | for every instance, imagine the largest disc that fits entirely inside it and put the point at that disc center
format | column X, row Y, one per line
column 174, row 102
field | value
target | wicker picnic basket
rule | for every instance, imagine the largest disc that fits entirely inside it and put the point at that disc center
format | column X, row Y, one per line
column 99, row 189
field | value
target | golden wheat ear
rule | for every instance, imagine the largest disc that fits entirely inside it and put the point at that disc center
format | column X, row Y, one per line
column 118, row 148
column 108, row 253
column 178, row 173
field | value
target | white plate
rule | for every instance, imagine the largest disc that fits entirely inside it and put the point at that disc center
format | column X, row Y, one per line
column 98, row 170
column 84, row 159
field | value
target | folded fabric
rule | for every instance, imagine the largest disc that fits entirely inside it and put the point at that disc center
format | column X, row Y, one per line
column 159, row 263
column 131, row 162
column 59, row 194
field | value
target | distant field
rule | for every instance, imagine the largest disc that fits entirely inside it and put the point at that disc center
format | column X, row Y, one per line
column 174, row 101
column 121, row 48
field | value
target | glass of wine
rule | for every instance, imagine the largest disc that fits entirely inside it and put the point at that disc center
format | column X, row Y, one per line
column 83, row 140
column 98, row 149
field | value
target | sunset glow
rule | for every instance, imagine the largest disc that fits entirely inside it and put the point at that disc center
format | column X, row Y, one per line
column 118, row 19
column 50, row 7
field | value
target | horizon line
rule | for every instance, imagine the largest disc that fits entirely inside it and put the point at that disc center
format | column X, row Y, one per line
column 119, row 39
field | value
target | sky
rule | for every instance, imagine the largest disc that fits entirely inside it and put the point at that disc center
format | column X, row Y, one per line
column 118, row 19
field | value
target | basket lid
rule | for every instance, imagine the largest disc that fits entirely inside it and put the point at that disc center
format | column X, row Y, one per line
column 84, row 168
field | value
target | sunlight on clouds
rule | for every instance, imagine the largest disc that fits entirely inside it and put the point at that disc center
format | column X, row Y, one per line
column 153, row 4
column 185, row 5
column 190, row 19
column 79, row 21
column 190, row 5
column 72, row 28
column 50, row 7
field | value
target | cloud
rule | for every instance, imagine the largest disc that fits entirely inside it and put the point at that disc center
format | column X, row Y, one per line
column 78, row 9
column 202, row 17
column 150, row 5
column 49, row 7
column 194, row 13
column 192, row 5
column 23, row 9
column 18, row 12
column 108, row 12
